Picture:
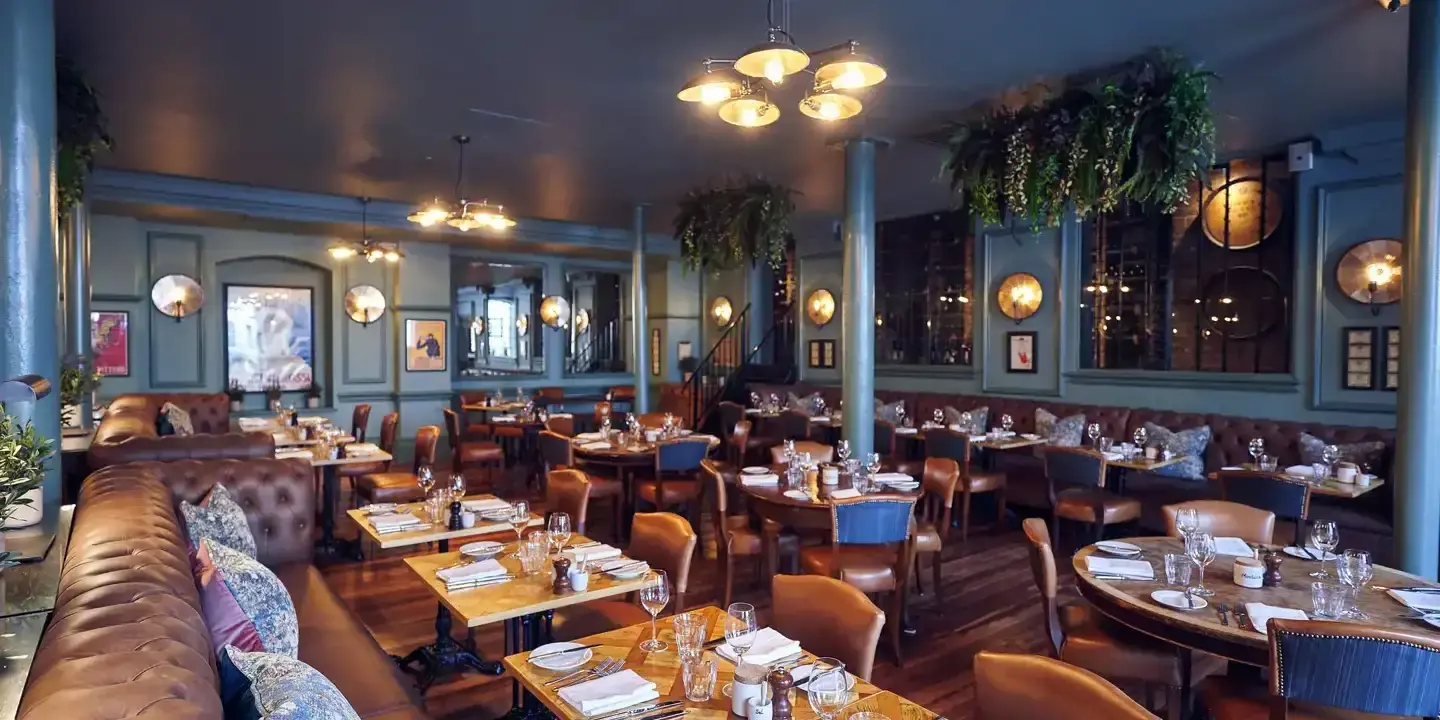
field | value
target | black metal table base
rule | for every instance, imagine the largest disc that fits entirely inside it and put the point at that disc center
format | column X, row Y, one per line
column 330, row 545
column 521, row 634
column 443, row 657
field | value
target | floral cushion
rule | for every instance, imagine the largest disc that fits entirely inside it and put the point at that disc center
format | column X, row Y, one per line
column 179, row 419
column 1061, row 433
column 284, row 688
column 807, row 404
column 1191, row 443
column 244, row 603
column 978, row 416
column 1367, row 455
column 221, row 519
column 889, row 412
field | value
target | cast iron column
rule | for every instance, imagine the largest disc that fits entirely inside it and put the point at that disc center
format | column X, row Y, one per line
column 553, row 339
column 1417, row 421
column 29, row 301
column 77, row 299
column 857, row 298
column 640, row 313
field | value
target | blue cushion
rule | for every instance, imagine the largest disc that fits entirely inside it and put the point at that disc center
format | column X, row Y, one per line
column 1358, row 673
column 1191, row 443
column 237, row 700
column 286, row 689
column 1068, row 432
column 219, row 518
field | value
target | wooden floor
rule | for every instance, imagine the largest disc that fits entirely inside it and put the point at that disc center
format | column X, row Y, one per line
column 991, row 604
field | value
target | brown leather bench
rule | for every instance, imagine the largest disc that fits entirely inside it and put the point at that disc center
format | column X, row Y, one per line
column 127, row 638
column 127, row 433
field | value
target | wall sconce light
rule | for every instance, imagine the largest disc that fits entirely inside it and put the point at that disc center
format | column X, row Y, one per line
column 1394, row 5
column 1369, row 273
column 177, row 296
column 1019, row 296
column 721, row 310
column 820, row 307
column 364, row 304
column 582, row 321
column 477, row 326
column 555, row 311
column 522, row 325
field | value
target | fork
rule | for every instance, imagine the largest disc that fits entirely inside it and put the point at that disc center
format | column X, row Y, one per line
column 599, row 667
column 614, row 667
column 1223, row 611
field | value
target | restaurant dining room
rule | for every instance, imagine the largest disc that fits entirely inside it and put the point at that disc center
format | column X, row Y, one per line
column 751, row 360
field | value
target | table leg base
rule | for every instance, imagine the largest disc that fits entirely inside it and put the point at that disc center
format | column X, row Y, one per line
column 442, row 658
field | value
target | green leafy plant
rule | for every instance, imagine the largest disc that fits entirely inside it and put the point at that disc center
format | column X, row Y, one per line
column 272, row 392
column 80, row 132
column 314, row 391
column 1145, row 135
column 747, row 220
column 236, row 391
column 23, row 456
column 75, row 384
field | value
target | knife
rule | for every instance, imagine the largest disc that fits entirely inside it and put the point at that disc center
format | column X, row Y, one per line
column 669, row 716
column 648, row 707
column 558, row 653
column 1307, row 552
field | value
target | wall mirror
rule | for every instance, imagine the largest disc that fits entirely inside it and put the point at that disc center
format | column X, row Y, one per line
column 595, row 342
column 177, row 295
column 491, row 298
column 364, row 304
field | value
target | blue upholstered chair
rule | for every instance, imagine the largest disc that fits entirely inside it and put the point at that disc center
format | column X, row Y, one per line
column 955, row 445
column 677, row 476
column 871, row 547
column 1280, row 494
column 1318, row 668
column 1081, row 472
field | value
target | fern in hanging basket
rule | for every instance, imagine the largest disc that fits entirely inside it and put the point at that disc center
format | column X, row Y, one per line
column 80, row 132
column 745, row 221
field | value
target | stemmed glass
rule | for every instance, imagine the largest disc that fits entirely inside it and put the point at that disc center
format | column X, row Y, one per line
column 939, row 417
column 754, row 399
column 872, row 468
column 425, row 478
column 559, row 527
column 965, row 422
column 1330, row 454
column 1325, row 535
column 1187, row 520
column 1257, row 448
column 1356, row 571
column 900, row 416
column 789, row 452
column 654, row 597
column 1006, row 422
column 842, row 450
column 828, row 690
column 457, row 486
column 1139, row 437
column 1092, row 431
column 1200, row 546
column 519, row 519
column 740, row 629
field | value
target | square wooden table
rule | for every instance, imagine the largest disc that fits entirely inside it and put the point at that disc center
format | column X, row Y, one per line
column 1011, row 443
column 435, row 532
column 1144, row 464
column 663, row 669
column 1333, row 488
column 331, row 496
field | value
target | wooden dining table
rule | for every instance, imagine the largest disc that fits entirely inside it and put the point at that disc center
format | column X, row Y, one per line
column 1331, row 487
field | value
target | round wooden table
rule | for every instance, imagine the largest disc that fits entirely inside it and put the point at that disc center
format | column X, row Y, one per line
column 1128, row 602
column 771, row 503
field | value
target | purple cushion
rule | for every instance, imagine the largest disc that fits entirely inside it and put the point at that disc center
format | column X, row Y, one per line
column 245, row 604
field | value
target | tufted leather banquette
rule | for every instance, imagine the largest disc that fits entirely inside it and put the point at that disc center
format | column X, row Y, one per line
column 1366, row 522
column 128, row 639
column 127, row 433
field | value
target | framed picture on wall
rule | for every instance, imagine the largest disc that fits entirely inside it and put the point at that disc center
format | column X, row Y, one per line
column 1392, row 359
column 269, row 337
column 656, row 348
column 1359, row 358
column 1020, row 352
column 684, row 350
column 110, row 342
column 822, row 354
column 425, row 345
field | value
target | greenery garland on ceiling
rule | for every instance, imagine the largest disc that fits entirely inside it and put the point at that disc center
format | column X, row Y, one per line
column 1145, row 135
column 724, row 227
column 80, row 132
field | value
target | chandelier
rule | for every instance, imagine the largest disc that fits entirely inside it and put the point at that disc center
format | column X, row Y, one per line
column 742, row 87
column 371, row 250
column 462, row 215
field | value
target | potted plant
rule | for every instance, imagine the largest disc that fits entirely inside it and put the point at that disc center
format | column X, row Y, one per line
column 687, row 367
column 236, row 393
column 272, row 393
column 74, row 384
column 724, row 227
column 23, row 456
column 313, row 394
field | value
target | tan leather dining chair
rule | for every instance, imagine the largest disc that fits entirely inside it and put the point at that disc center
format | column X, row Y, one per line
column 1225, row 519
column 819, row 452
column 665, row 541
column 401, row 487
column 569, row 492
column 1016, row 687
column 1084, row 499
column 829, row 619
column 734, row 536
column 932, row 514
column 955, row 445
column 389, row 426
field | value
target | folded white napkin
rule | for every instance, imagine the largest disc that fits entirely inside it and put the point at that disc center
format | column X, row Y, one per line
column 1416, row 601
column 485, row 505
column 1030, row 436
column 845, row 494
column 1300, row 470
column 1260, row 613
column 1114, row 455
column 1004, row 434
column 254, row 423
column 753, row 411
column 293, row 454
column 1233, row 546
column 482, row 570
column 766, row 479
column 393, row 520
column 608, row 693
column 594, row 552
column 361, row 449
column 595, row 446
column 562, row 415
column 887, row 478
column 769, row 646
column 973, row 437
column 630, row 564
column 819, row 418
column 503, row 418
column 1137, row 569
column 906, row 431
column 590, row 436
column 1232, row 467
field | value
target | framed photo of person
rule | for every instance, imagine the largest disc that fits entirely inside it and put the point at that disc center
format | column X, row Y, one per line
column 269, row 337
column 110, row 342
column 1359, row 358
column 1020, row 352
column 425, row 345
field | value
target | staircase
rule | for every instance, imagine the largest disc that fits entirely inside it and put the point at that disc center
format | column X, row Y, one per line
column 601, row 352
column 730, row 366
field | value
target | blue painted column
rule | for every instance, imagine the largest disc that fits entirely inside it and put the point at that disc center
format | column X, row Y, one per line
column 640, row 315
column 857, row 298
column 29, row 301
column 1417, row 422
column 553, row 339
column 77, row 298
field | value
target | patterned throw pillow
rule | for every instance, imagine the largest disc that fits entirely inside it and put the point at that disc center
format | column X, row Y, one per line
column 179, row 419
column 221, row 519
column 803, row 404
column 1061, row 433
column 978, row 416
column 286, row 689
column 1191, row 443
column 1364, row 454
column 245, row 605
column 888, row 412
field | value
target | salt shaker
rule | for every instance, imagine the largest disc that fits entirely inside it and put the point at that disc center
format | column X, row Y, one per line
column 1272, row 568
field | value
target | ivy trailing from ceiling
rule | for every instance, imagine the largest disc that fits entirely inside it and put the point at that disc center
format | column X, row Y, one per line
column 1144, row 135
column 724, row 227
column 80, row 131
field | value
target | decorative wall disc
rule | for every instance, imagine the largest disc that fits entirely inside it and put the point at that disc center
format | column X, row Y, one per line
column 1374, row 261
column 177, row 295
column 1245, row 200
column 364, row 304
column 1019, row 296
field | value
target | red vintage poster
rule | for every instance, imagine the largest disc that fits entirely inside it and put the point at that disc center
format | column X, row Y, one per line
column 110, row 342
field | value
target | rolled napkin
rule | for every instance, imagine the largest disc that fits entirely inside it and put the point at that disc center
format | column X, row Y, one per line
column 361, row 449
column 594, row 552
column 845, row 494
column 1233, row 546
column 766, row 479
column 1425, row 602
column 612, row 692
column 595, row 446
column 1135, row 569
column 485, row 505
column 1260, row 613
column 254, row 423
column 503, row 419
column 590, row 436
column 906, row 431
column 1232, row 467
column 472, row 572
column 769, row 646
column 887, row 478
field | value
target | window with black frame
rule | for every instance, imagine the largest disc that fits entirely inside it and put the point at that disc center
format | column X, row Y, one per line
column 1207, row 289
column 496, row 313
column 924, row 272
column 595, row 341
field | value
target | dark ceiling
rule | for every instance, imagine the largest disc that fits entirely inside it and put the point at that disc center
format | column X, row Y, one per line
column 571, row 102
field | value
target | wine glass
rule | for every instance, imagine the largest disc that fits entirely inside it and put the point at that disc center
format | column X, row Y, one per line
column 654, row 596
column 1139, row 437
column 1092, row 431
column 1200, row 546
column 965, row 421
column 872, row 466
column 939, row 417
column 519, row 519
column 842, row 450
column 1325, row 535
column 457, row 485
column 900, row 415
column 1187, row 520
column 1257, row 448
column 559, row 527
column 789, row 452
column 1006, row 422
column 740, row 629
column 1355, row 571
column 754, row 399
column 1331, row 455
column 828, row 690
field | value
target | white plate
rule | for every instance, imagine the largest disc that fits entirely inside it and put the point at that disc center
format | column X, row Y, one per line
column 483, row 549
column 562, row 662
column 1294, row 551
column 1176, row 599
column 797, row 495
column 1115, row 547
column 755, row 470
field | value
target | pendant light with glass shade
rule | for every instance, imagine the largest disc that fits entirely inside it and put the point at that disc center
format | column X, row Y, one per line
column 741, row 91
column 463, row 215
column 371, row 250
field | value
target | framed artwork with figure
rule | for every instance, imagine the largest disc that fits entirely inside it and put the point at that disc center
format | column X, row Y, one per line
column 1020, row 352
column 110, row 342
column 269, row 337
column 425, row 345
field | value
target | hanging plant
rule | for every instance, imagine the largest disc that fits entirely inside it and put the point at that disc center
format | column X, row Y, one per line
column 724, row 227
column 1145, row 135
column 80, row 132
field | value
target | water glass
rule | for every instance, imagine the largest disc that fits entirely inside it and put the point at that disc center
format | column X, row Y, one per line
column 1355, row 571
column 1329, row 600
column 1105, row 444
column 654, row 596
column 828, row 691
column 1177, row 570
column 534, row 548
column 690, row 634
column 699, row 677
column 1200, row 546
column 1269, row 463
column 1319, row 472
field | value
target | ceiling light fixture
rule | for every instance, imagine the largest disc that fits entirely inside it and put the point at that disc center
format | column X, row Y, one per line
column 463, row 215
column 741, row 91
column 1394, row 5
column 371, row 250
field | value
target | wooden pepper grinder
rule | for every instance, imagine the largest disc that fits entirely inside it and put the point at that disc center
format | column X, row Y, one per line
column 780, row 684
column 562, row 577
column 1272, row 562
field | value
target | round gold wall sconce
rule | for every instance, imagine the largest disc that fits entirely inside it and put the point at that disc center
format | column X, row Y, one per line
column 820, row 307
column 721, row 311
column 555, row 311
column 177, row 296
column 1019, row 296
column 364, row 304
column 1369, row 273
